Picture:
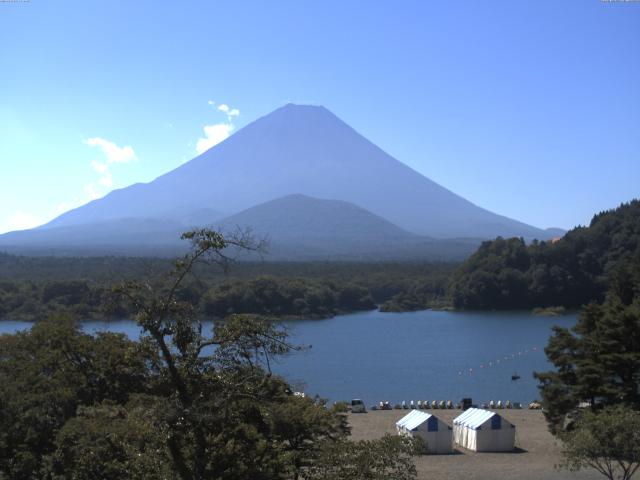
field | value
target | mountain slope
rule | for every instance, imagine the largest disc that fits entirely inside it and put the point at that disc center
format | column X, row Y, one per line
column 311, row 219
column 302, row 149
column 301, row 227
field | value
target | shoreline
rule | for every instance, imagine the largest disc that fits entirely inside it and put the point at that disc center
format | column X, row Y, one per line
column 535, row 312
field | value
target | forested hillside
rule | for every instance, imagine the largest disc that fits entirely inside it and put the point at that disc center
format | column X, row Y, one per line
column 569, row 272
column 32, row 288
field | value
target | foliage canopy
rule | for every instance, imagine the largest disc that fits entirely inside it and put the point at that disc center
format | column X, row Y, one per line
column 180, row 403
column 572, row 271
column 608, row 442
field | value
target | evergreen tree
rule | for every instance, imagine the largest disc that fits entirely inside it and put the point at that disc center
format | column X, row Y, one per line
column 598, row 361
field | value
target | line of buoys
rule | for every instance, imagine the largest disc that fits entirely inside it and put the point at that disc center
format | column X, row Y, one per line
column 499, row 360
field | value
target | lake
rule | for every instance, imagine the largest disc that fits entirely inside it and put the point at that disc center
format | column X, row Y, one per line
column 426, row 355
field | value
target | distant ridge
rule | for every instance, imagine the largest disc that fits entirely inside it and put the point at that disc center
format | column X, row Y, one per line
column 299, row 216
column 301, row 227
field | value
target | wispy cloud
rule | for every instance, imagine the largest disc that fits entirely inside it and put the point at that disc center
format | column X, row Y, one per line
column 113, row 154
column 231, row 112
column 91, row 192
column 217, row 132
column 213, row 135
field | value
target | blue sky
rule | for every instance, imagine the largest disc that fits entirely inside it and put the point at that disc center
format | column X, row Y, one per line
column 528, row 108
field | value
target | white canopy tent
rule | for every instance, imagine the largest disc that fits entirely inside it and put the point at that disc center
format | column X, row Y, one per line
column 434, row 431
column 483, row 431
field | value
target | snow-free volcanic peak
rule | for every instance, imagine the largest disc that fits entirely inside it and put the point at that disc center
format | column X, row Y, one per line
column 300, row 149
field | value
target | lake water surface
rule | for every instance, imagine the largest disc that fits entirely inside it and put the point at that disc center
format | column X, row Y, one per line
column 424, row 355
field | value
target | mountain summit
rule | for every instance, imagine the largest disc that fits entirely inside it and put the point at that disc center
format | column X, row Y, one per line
column 299, row 149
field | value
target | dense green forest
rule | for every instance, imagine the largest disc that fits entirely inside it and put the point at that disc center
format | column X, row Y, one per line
column 34, row 287
column 569, row 272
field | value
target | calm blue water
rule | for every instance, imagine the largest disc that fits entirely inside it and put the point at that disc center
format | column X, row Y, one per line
column 408, row 356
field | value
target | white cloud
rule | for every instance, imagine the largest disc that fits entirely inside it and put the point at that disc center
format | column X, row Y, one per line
column 106, row 180
column 91, row 192
column 226, row 109
column 99, row 166
column 112, row 154
column 213, row 135
column 216, row 133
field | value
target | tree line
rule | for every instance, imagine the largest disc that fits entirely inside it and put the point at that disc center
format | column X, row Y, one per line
column 83, row 287
column 570, row 272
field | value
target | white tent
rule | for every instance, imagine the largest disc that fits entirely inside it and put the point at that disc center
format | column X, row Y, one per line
column 483, row 431
column 434, row 431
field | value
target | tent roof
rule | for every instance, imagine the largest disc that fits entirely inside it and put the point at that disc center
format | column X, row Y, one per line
column 413, row 419
column 473, row 418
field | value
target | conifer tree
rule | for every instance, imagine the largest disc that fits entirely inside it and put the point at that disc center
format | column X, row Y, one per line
column 598, row 361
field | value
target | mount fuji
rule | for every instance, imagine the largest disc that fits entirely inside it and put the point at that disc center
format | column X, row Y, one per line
column 296, row 150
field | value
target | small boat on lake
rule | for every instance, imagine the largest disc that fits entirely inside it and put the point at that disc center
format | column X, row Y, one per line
column 515, row 376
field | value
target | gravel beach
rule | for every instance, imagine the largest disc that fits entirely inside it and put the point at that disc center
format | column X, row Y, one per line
column 536, row 454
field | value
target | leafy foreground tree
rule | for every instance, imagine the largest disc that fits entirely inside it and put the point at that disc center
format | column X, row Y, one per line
column 177, row 404
column 608, row 441
column 47, row 374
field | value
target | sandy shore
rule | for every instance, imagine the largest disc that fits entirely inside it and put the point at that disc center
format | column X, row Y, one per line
column 536, row 450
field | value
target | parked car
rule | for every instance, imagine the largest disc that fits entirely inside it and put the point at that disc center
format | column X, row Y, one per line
column 357, row 406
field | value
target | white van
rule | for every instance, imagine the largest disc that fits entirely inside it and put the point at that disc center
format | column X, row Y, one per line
column 357, row 406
